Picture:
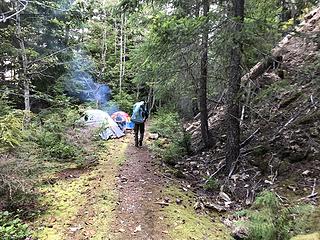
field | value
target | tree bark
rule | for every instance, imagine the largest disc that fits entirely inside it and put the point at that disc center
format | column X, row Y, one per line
column 233, row 99
column 121, row 52
column 26, row 82
column 104, row 50
column 203, row 79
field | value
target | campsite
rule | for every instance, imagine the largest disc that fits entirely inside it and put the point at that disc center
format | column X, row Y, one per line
column 159, row 120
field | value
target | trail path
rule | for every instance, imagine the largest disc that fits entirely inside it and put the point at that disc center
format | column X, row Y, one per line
column 118, row 199
column 139, row 187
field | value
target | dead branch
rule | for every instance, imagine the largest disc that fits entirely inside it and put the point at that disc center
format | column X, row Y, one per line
column 245, row 142
column 162, row 203
column 12, row 14
column 212, row 175
column 314, row 186
column 281, row 198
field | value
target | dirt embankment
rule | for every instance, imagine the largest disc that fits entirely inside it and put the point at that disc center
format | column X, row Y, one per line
column 280, row 128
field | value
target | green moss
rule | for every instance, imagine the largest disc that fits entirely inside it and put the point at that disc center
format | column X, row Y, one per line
column 63, row 200
column 86, row 202
column 185, row 223
column 313, row 236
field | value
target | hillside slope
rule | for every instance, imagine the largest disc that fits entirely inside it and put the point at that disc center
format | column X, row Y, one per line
column 280, row 124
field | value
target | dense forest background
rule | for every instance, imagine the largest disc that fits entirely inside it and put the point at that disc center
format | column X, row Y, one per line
column 195, row 64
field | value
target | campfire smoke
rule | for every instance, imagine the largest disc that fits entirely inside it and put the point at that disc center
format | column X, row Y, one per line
column 80, row 82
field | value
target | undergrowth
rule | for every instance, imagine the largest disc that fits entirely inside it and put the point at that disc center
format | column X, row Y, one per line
column 27, row 151
column 272, row 90
column 268, row 220
column 11, row 125
column 173, row 142
column 12, row 227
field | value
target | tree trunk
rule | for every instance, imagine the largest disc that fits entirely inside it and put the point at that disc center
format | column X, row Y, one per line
column 203, row 79
column 104, row 50
column 233, row 100
column 124, row 48
column 26, row 82
column 121, row 53
column 115, row 37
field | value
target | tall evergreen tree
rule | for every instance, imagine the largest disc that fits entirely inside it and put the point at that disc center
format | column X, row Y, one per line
column 204, row 78
column 233, row 99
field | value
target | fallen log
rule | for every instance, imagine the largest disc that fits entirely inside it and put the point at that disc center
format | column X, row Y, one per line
column 258, row 69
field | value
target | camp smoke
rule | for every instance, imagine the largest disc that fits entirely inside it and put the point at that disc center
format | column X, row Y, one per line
column 80, row 82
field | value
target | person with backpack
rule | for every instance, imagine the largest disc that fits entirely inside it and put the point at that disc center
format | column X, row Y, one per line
column 139, row 116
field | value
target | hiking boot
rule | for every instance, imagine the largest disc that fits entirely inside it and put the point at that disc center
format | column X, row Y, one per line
column 136, row 144
column 140, row 143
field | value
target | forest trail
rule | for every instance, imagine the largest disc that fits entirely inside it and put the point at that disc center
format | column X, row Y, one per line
column 126, row 197
column 113, row 200
column 139, row 187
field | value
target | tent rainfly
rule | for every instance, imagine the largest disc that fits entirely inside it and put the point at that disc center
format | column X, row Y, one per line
column 99, row 118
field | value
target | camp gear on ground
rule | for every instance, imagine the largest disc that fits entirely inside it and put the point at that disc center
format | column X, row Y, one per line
column 117, row 116
column 99, row 118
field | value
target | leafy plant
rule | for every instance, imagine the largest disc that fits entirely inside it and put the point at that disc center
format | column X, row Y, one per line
column 11, row 227
column 211, row 184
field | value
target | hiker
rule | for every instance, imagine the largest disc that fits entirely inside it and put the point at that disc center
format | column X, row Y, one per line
column 139, row 116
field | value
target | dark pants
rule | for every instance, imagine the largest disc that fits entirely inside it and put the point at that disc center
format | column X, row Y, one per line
column 138, row 128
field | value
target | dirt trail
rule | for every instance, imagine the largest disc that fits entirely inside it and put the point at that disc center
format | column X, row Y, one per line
column 119, row 199
column 139, row 187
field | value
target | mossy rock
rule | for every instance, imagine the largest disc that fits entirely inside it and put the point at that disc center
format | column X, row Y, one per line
column 313, row 236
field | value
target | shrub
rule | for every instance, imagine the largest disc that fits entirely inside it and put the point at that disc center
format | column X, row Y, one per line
column 11, row 133
column 168, row 125
column 51, row 136
column 211, row 184
column 267, row 199
column 269, row 221
column 11, row 227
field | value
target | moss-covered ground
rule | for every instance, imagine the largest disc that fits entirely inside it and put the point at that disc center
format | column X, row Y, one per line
column 185, row 223
column 82, row 207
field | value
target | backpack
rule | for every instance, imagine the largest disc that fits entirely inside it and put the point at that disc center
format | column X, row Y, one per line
column 138, row 113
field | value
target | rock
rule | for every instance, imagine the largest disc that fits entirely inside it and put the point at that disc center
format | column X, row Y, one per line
column 178, row 201
column 153, row 136
column 217, row 207
column 74, row 229
column 193, row 163
column 195, row 172
column 306, row 172
column 138, row 229
column 240, row 232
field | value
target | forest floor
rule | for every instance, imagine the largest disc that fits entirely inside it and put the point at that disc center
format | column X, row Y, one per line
column 125, row 196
